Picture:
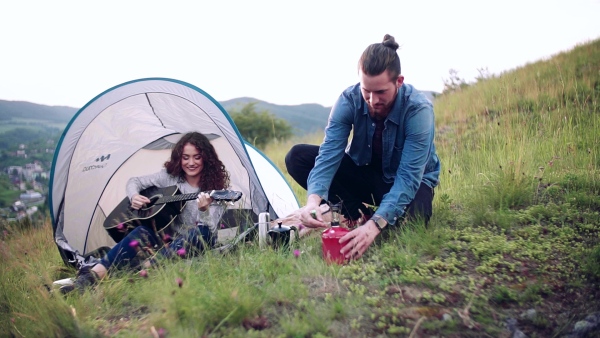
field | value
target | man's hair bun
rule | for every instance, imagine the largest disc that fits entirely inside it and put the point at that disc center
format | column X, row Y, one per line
column 390, row 42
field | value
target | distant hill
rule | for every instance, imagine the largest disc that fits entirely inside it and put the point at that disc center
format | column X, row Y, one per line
column 304, row 118
column 27, row 110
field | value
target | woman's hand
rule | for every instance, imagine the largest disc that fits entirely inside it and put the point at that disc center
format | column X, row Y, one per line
column 204, row 201
column 138, row 201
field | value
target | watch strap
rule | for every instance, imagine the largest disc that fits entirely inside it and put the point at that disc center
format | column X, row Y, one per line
column 380, row 222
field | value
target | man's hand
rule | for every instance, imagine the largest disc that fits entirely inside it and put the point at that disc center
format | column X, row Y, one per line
column 359, row 240
column 310, row 215
column 138, row 201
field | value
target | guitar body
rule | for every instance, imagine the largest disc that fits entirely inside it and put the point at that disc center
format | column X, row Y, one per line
column 164, row 207
column 162, row 215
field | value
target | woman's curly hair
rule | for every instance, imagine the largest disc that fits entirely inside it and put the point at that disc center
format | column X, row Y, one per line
column 214, row 176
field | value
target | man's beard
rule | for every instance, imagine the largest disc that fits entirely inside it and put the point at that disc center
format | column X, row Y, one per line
column 379, row 114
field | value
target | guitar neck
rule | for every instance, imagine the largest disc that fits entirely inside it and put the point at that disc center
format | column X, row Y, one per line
column 177, row 198
column 216, row 195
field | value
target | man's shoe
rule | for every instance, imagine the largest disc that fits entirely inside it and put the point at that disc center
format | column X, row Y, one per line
column 85, row 279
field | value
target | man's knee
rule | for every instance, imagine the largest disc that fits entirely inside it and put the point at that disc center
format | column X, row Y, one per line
column 421, row 208
column 291, row 156
column 300, row 160
column 291, row 161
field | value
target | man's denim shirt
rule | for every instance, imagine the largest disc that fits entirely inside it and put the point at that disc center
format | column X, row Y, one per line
column 409, row 155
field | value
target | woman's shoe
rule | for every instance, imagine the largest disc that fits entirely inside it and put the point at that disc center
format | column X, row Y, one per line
column 86, row 278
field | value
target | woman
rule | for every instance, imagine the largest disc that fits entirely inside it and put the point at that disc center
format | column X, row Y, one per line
column 195, row 168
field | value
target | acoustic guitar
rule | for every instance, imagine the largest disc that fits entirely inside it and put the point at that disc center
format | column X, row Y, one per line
column 164, row 207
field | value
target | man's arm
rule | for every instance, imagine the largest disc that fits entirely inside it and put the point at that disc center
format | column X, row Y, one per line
column 419, row 133
column 328, row 161
column 332, row 148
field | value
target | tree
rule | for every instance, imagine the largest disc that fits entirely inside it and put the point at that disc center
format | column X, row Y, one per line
column 260, row 128
column 484, row 74
column 454, row 83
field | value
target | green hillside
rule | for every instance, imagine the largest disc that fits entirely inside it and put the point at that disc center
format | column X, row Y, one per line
column 512, row 250
column 33, row 117
column 27, row 110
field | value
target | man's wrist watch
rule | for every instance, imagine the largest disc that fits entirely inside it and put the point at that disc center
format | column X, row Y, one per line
column 380, row 222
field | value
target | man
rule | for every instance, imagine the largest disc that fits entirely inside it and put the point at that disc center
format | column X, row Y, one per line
column 391, row 161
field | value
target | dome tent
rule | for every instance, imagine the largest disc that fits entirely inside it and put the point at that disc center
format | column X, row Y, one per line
column 128, row 130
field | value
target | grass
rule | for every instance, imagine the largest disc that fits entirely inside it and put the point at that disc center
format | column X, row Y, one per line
column 515, row 234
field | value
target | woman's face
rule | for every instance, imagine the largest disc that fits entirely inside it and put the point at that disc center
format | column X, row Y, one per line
column 191, row 161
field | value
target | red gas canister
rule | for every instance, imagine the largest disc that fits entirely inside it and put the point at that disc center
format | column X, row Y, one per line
column 331, row 247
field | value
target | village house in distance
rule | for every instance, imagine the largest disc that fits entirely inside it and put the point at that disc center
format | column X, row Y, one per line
column 31, row 180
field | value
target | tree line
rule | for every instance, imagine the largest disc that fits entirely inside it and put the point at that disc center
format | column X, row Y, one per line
column 260, row 127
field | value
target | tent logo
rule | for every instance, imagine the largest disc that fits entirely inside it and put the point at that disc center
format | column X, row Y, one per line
column 102, row 158
column 98, row 166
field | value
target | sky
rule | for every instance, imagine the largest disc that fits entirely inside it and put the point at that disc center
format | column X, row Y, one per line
column 283, row 52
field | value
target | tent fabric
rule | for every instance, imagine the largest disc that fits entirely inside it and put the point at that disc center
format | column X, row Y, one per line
column 283, row 200
column 128, row 131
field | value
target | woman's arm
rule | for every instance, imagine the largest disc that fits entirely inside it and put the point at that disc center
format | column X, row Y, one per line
column 159, row 179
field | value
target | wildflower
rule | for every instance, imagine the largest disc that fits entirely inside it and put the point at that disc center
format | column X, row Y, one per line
column 181, row 252
column 134, row 244
column 179, row 282
column 222, row 226
column 120, row 227
column 296, row 253
column 160, row 333
column 167, row 238
column 144, row 273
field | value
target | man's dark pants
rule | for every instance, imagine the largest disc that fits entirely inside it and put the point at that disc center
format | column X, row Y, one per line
column 355, row 185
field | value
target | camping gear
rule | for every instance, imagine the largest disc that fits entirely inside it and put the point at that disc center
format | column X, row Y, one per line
column 330, row 241
column 281, row 236
column 330, row 238
column 263, row 227
column 129, row 130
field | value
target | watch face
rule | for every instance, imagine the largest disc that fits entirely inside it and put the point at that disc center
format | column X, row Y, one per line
column 380, row 222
